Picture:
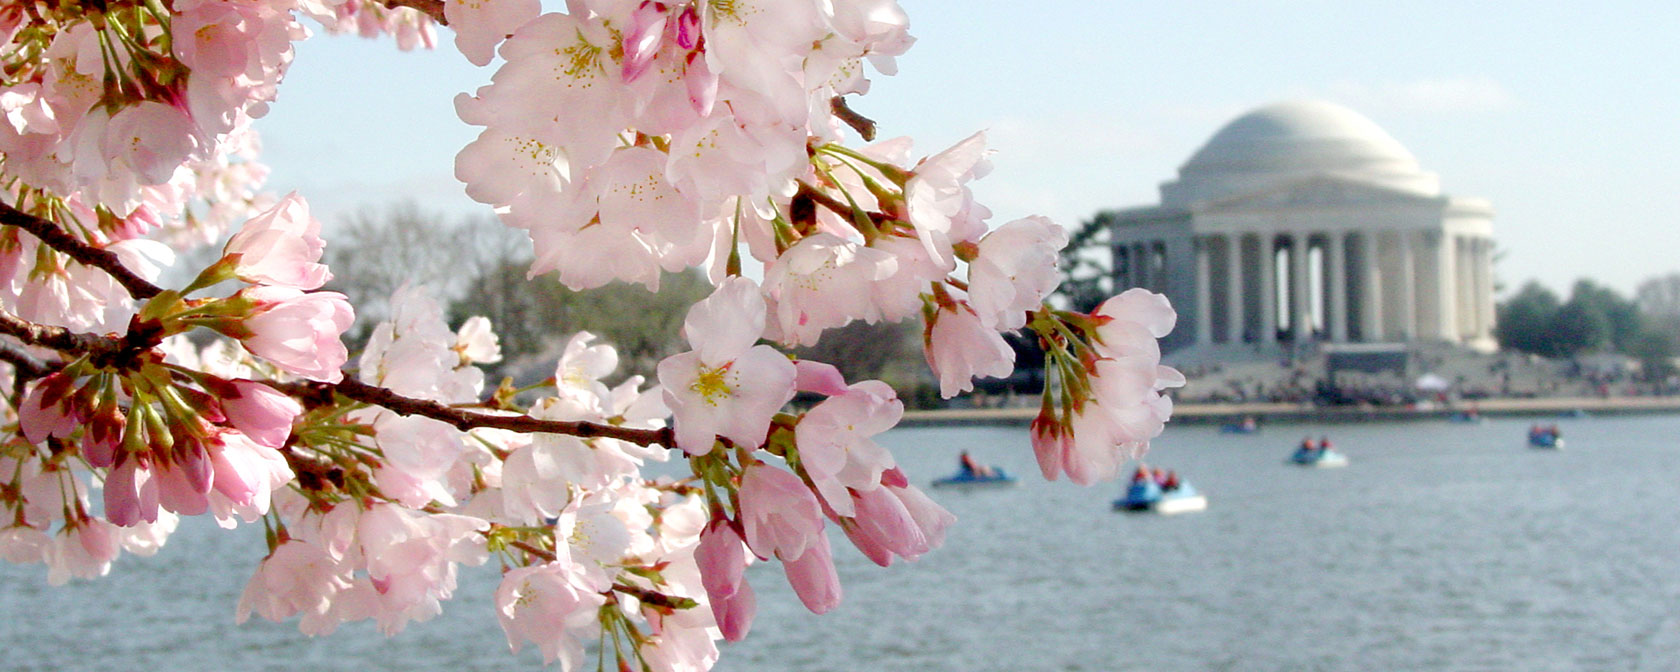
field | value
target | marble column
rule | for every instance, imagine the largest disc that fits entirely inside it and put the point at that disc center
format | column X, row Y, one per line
column 1406, row 321
column 1464, row 260
column 1370, row 289
column 1300, row 295
column 1268, row 288
column 1485, row 298
column 1337, row 314
column 1204, row 293
column 1445, row 287
column 1234, row 318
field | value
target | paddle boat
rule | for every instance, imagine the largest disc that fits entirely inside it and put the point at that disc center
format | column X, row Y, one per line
column 973, row 475
column 1545, row 437
column 1248, row 425
column 1323, row 458
column 974, row 480
column 1466, row 417
column 1146, row 496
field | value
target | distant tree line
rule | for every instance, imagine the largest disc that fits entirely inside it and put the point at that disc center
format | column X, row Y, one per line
column 478, row 267
column 1595, row 319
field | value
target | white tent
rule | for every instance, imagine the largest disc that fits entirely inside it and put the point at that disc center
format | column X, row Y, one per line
column 1433, row 382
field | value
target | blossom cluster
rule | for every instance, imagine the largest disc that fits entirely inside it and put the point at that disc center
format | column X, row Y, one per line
column 627, row 138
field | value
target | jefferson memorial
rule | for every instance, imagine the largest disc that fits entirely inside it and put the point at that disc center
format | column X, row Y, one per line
column 1305, row 222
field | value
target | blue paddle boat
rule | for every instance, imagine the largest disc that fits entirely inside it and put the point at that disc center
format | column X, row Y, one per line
column 1549, row 438
column 1248, row 425
column 972, row 475
column 1323, row 458
column 972, row 480
column 1148, row 497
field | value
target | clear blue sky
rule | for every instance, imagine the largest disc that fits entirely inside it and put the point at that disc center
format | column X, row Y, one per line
column 1566, row 117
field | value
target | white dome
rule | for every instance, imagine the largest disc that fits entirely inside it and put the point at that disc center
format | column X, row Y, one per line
column 1291, row 140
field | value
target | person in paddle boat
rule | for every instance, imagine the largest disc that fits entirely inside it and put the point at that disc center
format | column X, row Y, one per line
column 1170, row 483
column 1324, row 444
column 1142, row 475
column 972, row 469
column 1307, row 445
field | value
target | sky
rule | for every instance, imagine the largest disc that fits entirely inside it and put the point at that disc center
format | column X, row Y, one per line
column 1566, row 117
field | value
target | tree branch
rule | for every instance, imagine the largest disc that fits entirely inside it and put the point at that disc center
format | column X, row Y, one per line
column 431, row 8
column 462, row 419
column 55, row 237
column 836, row 206
column 26, row 367
column 864, row 126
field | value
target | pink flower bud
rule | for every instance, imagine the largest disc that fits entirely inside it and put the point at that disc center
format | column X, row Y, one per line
column 813, row 577
column 49, row 410
column 131, row 496
column 261, row 412
column 641, row 42
column 299, row 332
column 281, row 246
column 688, row 28
column 781, row 516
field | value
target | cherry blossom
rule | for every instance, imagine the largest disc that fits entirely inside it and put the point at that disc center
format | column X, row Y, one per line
column 726, row 386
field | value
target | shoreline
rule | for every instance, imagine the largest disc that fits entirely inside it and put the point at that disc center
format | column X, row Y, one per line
column 1202, row 414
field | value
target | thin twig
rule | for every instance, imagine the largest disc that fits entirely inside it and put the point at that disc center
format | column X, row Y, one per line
column 55, row 237
column 25, row 366
column 431, row 8
column 863, row 125
column 835, row 205
column 464, row 420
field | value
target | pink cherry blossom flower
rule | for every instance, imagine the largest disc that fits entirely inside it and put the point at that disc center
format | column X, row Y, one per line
column 823, row 282
column 836, row 445
column 1015, row 271
column 299, row 577
column 150, row 139
column 411, row 560
column 900, row 295
column 23, row 545
column 185, row 482
column 477, row 342
column 960, row 347
column 779, row 514
column 299, row 332
column 261, row 412
column 480, row 25
column 725, row 386
column 50, row 410
column 1139, row 306
column 932, row 518
column 83, row 551
column 281, row 246
column 936, row 192
column 546, row 604
column 247, row 472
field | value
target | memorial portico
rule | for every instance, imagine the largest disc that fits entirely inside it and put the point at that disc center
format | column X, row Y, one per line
column 1305, row 222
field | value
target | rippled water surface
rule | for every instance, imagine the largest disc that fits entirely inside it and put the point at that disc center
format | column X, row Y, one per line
column 1442, row 547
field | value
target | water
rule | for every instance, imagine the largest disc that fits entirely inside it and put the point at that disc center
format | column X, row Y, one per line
column 1442, row 547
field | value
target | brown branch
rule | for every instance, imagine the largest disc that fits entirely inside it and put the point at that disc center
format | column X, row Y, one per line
column 842, row 209
column 431, row 8
column 862, row 124
column 462, row 419
column 55, row 237
column 26, row 367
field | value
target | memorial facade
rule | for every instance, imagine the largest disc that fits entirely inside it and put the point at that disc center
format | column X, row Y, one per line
column 1305, row 222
